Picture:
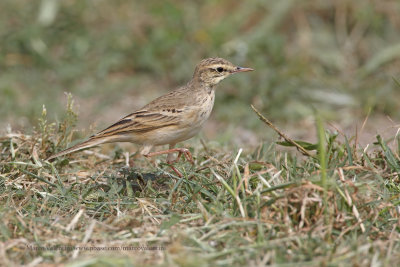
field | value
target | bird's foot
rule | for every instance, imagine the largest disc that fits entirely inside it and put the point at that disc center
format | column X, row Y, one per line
column 181, row 151
column 176, row 171
column 185, row 152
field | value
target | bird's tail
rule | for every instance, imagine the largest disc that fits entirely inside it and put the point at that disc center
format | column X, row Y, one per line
column 89, row 143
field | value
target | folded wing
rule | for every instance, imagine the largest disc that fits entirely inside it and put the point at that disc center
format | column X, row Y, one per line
column 139, row 122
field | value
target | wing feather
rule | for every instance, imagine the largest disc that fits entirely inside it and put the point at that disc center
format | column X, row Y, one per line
column 161, row 112
column 139, row 122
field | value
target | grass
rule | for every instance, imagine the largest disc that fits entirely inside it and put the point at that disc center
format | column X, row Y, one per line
column 339, row 207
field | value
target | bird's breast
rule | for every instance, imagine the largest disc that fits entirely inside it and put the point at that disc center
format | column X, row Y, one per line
column 205, row 106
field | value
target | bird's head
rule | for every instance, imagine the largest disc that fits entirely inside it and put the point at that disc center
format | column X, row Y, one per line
column 213, row 70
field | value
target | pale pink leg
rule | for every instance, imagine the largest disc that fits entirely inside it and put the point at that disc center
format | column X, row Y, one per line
column 170, row 157
column 181, row 151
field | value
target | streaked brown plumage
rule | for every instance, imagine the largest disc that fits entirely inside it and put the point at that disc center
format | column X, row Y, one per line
column 171, row 118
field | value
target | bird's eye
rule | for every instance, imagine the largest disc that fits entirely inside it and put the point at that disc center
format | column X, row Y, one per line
column 220, row 69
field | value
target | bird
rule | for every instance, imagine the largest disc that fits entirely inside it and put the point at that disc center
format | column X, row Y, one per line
column 169, row 119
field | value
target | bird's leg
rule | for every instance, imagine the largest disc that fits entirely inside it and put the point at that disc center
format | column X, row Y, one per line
column 186, row 153
column 170, row 157
column 170, row 161
column 181, row 151
column 176, row 171
column 128, row 162
column 145, row 150
column 131, row 158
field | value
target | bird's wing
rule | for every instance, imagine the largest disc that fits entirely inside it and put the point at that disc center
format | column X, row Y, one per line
column 162, row 112
column 141, row 121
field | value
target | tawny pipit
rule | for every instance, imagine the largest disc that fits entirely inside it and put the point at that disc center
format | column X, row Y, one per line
column 171, row 118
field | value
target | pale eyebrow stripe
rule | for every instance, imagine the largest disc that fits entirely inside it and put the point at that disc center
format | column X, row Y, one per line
column 217, row 66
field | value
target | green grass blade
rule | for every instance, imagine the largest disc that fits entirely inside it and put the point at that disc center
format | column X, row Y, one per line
column 322, row 162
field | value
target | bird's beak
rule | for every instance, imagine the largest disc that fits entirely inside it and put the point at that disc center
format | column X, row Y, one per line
column 240, row 69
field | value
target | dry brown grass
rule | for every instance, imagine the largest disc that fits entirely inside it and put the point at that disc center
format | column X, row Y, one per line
column 268, row 207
